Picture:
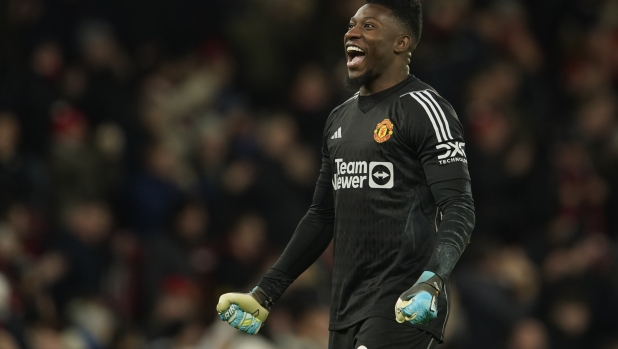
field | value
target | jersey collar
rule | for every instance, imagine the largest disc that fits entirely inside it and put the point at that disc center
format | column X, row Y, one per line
column 366, row 103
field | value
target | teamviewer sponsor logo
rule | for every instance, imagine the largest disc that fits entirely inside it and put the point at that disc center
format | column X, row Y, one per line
column 359, row 174
column 381, row 175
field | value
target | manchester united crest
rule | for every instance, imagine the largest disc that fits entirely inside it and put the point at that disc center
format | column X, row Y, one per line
column 383, row 131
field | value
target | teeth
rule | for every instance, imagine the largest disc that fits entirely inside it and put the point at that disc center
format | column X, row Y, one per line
column 354, row 48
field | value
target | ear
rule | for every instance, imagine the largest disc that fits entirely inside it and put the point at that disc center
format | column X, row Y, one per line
column 403, row 44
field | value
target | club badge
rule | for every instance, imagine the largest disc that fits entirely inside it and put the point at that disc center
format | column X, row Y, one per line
column 383, row 131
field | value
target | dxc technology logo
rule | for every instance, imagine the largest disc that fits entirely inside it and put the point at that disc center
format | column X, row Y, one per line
column 454, row 153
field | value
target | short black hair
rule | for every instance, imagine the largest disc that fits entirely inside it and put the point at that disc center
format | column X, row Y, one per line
column 409, row 12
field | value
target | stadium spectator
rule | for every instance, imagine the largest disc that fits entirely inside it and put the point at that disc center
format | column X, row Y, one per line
column 113, row 113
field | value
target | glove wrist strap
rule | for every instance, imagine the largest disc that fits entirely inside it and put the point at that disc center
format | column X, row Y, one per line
column 435, row 282
column 261, row 297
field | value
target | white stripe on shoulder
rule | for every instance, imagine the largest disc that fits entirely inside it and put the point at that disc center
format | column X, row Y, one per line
column 407, row 93
column 448, row 128
column 435, row 127
column 351, row 98
column 435, row 113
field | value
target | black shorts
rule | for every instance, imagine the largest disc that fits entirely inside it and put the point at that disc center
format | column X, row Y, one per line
column 381, row 333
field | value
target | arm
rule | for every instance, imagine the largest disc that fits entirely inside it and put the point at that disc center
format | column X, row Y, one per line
column 247, row 312
column 454, row 201
column 311, row 238
column 437, row 137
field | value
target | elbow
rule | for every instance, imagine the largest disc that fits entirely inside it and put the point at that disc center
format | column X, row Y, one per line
column 469, row 214
column 472, row 220
column 321, row 215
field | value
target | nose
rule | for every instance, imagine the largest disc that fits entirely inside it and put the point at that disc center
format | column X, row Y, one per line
column 353, row 33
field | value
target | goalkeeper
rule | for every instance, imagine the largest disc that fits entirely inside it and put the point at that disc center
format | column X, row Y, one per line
column 393, row 193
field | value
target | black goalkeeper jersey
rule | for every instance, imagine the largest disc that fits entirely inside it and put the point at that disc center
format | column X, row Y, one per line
column 394, row 194
column 381, row 154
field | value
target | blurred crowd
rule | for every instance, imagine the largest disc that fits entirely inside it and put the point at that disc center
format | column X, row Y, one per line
column 155, row 154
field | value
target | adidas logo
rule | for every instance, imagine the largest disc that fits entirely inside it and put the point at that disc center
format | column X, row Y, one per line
column 337, row 134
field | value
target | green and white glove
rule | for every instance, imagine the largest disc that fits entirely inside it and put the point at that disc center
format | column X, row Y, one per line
column 418, row 305
column 245, row 311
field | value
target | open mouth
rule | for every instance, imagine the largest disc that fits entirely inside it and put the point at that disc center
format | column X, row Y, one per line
column 355, row 56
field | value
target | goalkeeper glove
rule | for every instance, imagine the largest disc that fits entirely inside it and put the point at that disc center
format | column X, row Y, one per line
column 418, row 304
column 245, row 311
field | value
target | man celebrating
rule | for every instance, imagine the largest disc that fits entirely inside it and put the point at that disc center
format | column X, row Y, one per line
column 393, row 191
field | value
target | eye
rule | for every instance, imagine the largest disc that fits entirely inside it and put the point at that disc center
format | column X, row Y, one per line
column 350, row 26
column 369, row 25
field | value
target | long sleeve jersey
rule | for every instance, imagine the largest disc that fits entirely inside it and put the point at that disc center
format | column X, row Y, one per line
column 394, row 193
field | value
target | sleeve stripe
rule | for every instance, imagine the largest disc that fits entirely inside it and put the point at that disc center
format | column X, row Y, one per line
column 448, row 127
column 435, row 114
column 428, row 114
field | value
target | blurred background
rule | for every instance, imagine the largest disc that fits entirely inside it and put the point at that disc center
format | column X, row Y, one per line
column 155, row 154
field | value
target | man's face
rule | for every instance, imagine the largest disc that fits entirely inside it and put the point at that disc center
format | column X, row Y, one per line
column 369, row 44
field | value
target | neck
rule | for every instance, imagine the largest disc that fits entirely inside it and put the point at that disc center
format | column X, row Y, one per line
column 386, row 80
